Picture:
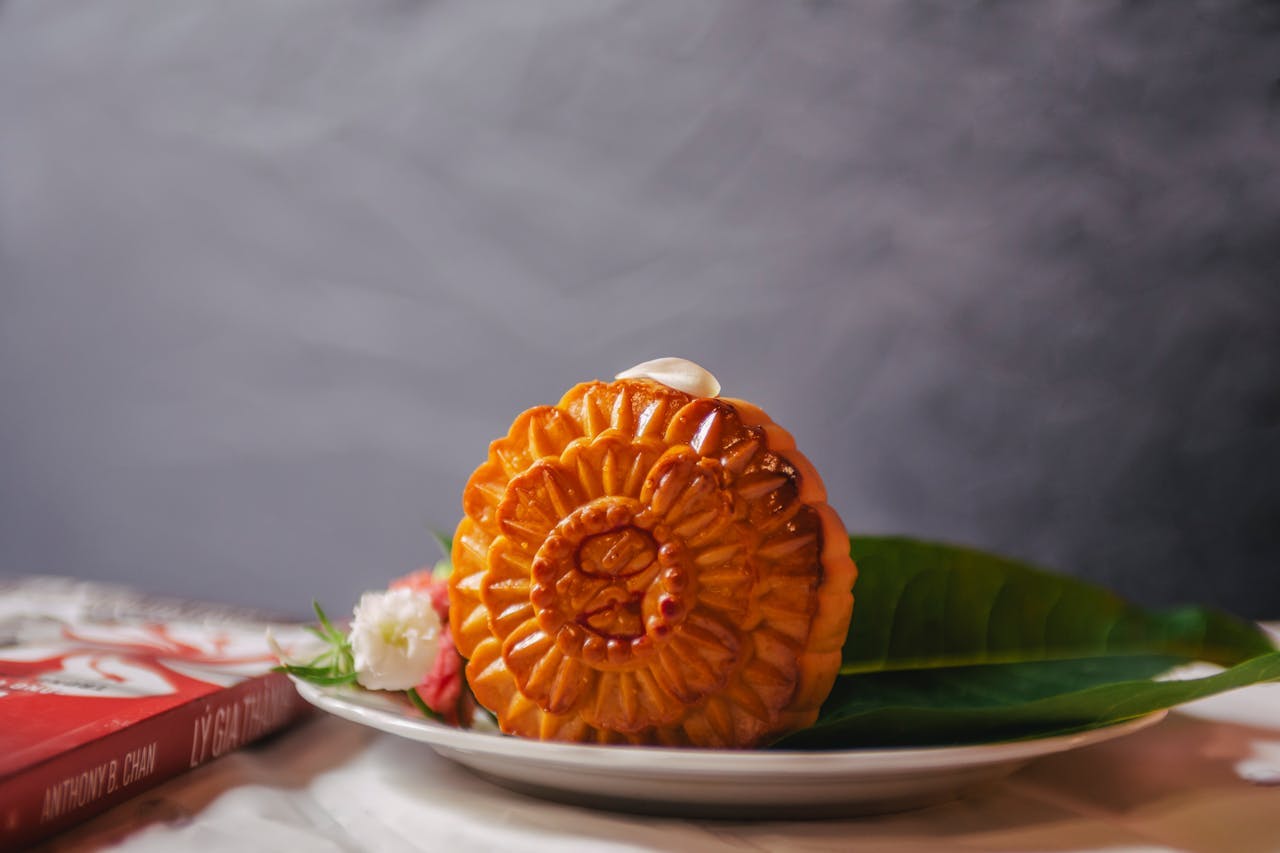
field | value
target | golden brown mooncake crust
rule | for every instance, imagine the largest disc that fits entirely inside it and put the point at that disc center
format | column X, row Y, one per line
column 639, row 565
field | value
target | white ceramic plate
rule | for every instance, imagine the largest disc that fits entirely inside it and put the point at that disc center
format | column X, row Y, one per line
column 712, row 783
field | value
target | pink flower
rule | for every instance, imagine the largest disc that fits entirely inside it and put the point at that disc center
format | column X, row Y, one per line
column 426, row 582
column 441, row 689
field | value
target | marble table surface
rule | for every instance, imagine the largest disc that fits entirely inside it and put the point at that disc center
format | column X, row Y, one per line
column 1205, row 779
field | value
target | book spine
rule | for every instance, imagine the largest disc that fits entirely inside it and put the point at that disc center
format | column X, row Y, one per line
column 64, row 790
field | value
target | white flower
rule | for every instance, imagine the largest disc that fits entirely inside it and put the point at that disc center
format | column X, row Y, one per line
column 394, row 638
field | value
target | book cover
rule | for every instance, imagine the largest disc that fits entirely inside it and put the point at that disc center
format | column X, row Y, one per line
column 105, row 693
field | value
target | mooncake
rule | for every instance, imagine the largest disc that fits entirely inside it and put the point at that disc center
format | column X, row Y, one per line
column 649, row 564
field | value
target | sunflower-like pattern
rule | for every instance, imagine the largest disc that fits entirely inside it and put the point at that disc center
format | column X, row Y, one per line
column 640, row 565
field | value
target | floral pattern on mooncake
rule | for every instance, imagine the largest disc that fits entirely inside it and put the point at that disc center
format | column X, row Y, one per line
column 640, row 565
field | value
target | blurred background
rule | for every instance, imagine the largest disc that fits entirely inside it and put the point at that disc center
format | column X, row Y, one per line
column 272, row 275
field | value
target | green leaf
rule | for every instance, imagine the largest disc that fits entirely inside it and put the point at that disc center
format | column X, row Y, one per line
column 920, row 605
column 317, row 675
column 951, row 645
column 328, row 631
column 444, row 540
column 1007, row 701
column 444, row 566
column 335, row 664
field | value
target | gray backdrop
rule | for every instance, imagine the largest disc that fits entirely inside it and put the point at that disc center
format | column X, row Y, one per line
column 273, row 274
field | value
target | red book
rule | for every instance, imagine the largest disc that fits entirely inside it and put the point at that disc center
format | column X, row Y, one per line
column 105, row 693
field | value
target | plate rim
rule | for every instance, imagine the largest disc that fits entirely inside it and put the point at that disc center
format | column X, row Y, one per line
column 341, row 702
